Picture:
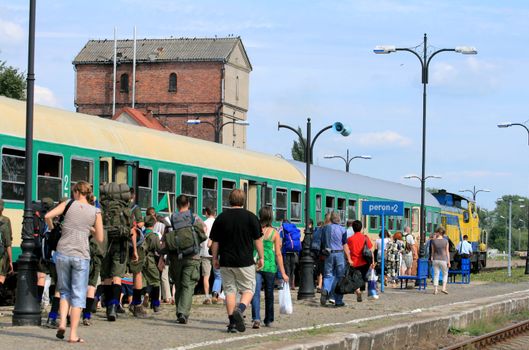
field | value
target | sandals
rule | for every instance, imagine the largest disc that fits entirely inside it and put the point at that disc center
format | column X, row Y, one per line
column 444, row 291
column 79, row 340
column 60, row 333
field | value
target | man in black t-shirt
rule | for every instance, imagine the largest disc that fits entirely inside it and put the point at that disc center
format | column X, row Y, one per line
column 234, row 234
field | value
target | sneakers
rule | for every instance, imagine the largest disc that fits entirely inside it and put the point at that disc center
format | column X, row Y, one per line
column 324, row 297
column 138, row 311
column 181, row 318
column 342, row 304
column 51, row 323
column 256, row 324
column 239, row 320
column 231, row 328
column 87, row 322
column 215, row 298
column 332, row 301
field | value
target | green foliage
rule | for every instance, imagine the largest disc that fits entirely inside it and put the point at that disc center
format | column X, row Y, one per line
column 12, row 82
column 500, row 276
column 496, row 222
column 298, row 150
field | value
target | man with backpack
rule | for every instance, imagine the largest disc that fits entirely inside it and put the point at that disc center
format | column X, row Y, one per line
column 6, row 259
column 291, row 236
column 117, row 224
column 182, row 245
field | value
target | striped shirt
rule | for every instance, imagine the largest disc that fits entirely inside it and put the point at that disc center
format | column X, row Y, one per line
column 76, row 230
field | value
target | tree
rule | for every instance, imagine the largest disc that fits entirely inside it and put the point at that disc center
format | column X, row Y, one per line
column 12, row 82
column 298, row 149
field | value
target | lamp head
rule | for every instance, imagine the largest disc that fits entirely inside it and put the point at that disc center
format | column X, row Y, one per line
column 504, row 125
column 328, row 156
column 242, row 122
column 341, row 129
column 384, row 49
column 193, row 122
column 365, row 157
column 466, row 50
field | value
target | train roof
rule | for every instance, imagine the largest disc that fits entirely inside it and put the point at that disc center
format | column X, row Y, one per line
column 354, row 183
column 88, row 131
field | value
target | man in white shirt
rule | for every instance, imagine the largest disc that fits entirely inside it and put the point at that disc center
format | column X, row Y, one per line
column 464, row 249
column 205, row 257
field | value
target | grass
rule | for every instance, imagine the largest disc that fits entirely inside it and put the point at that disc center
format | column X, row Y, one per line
column 486, row 326
column 500, row 276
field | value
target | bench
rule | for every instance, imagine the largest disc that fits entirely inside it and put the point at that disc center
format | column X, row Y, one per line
column 464, row 271
column 422, row 275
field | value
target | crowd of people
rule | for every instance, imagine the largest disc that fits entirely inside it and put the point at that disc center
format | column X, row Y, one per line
column 109, row 254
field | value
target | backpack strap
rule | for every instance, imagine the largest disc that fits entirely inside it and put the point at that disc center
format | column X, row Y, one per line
column 271, row 235
column 68, row 205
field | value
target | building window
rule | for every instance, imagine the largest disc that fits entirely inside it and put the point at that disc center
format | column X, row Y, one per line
column 318, row 209
column 227, row 187
column 189, row 188
column 329, row 204
column 167, row 185
column 49, row 183
column 13, row 174
column 237, row 88
column 351, row 210
column 144, row 188
column 172, row 82
column 81, row 170
column 295, row 206
column 209, row 194
column 341, row 210
column 124, row 83
column 281, row 204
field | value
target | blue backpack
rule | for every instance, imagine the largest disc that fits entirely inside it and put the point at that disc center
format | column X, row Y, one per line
column 291, row 238
column 317, row 236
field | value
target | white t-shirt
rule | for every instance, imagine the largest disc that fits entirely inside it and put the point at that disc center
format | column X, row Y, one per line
column 204, row 245
column 378, row 245
column 411, row 241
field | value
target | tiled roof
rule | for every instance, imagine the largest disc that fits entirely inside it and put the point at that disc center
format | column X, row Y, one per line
column 146, row 120
column 148, row 50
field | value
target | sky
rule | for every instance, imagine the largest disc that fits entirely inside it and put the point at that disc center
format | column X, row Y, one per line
column 315, row 59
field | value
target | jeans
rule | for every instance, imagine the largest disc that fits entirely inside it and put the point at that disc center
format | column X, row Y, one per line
column 217, row 281
column 72, row 278
column 333, row 271
column 268, row 279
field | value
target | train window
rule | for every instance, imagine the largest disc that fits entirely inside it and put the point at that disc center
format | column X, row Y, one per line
column 281, row 204
column 318, row 208
column 104, row 176
column 268, row 197
column 407, row 217
column 124, row 83
column 399, row 224
column 189, row 188
column 82, row 170
column 144, row 188
column 341, row 210
column 227, row 187
column 373, row 222
column 415, row 220
column 351, row 210
column 295, row 206
column 172, row 82
column 329, row 204
column 209, row 194
column 13, row 173
column 49, row 174
column 167, row 185
column 429, row 222
column 391, row 223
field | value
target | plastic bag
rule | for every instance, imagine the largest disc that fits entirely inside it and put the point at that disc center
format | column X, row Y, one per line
column 285, row 300
column 372, row 284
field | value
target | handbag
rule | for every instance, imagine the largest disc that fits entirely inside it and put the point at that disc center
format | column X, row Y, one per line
column 366, row 253
column 350, row 282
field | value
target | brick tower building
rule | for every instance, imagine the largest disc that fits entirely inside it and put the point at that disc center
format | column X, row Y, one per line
column 176, row 80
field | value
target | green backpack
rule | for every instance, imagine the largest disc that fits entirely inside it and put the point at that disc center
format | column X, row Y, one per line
column 117, row 216
column 185, row 241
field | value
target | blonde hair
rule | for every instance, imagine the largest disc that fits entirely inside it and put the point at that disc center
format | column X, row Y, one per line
column 237, row 198
column 84, row 188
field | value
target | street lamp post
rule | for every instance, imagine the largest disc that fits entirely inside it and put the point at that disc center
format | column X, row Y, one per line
column 509, row 249
column 27, row 309
column 423, row 181
column 306, row 288
column 425, row 64
column 475, row 192
column 217, row 126
column 520, row 235
column 507, row 125
column 347, row 160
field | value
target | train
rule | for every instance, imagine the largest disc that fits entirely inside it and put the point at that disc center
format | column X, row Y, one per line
column 70, row 147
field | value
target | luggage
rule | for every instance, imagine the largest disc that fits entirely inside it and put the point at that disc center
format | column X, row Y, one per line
column 291, row 238
column 350, row 282
column 117, row 216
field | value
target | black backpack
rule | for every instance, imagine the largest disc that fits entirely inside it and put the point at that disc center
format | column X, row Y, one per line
column 51, row 238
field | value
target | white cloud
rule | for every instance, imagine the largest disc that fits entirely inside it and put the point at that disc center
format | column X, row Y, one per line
column 10, row 32
column 383, row 138
column 45, row 96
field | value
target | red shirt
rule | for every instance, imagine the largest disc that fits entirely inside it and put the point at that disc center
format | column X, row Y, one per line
column 356, row 246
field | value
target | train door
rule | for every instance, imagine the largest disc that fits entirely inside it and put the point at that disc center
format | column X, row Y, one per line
column 250, row 188
column 415, row 220
column 118, row 170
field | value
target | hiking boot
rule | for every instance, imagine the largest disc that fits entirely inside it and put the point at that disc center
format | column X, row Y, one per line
column 139, row 311
column 339, row 304
column 111, row 313
column 231, row 328
column 94, row 307
column 324, row 297
column 239, row 320
column 120, row 309
column 359, row 298
column 51, row 323
column 207, row 301
column 87, row 322
column 181, row 318
column 156, row 309
column 146, row 301
column 256, row 324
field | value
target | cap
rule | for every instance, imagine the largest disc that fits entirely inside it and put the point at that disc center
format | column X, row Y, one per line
column 149, row 221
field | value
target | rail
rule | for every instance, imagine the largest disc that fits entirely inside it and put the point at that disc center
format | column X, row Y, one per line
column 488, row 339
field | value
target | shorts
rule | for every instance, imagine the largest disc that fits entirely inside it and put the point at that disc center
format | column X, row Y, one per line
column 238, row 279
column 95, row 270
column 48, row 268
column 126, row 289
column 114, row 263
column 4, row 265
column 72, row 273
column 205, row 266
column 137, row 266
column 407, row 260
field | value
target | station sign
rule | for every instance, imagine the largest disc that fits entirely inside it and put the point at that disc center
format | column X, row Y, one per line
column 386, row 208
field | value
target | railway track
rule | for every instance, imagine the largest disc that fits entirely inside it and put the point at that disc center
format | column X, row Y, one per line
column 512, row 337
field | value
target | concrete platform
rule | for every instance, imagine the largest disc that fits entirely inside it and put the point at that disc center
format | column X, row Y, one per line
column 399, row 319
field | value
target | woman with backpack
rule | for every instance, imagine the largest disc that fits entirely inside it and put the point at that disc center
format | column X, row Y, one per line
column 81, row 219
column 273, row 259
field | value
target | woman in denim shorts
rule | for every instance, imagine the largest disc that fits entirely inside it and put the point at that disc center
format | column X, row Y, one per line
column 72, row 258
